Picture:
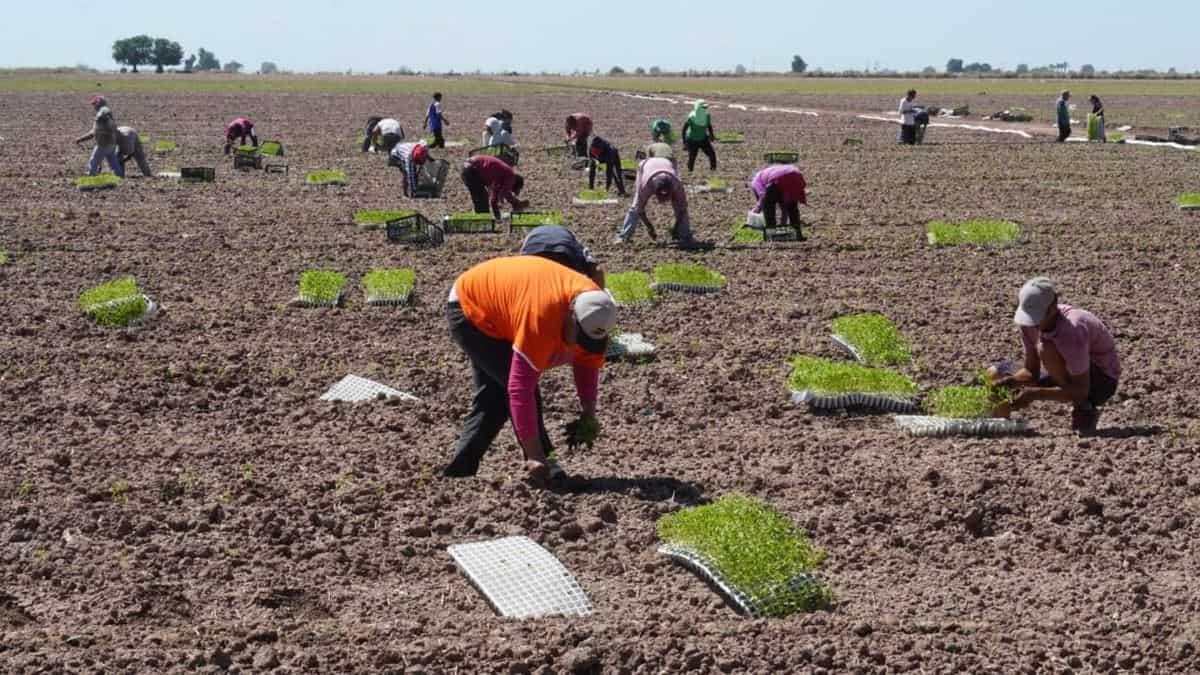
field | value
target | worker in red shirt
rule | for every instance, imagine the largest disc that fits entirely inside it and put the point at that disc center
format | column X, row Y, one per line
column 579, row 128
column 490, row 180
column 240, row 129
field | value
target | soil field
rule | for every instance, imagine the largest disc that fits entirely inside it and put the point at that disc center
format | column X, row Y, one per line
column 176, row 498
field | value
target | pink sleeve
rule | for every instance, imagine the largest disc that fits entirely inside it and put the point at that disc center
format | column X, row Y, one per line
column 587, row 382
column 522, row 405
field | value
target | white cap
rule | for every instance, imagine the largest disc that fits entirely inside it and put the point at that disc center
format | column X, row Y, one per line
column 1034, row 301
column 595, row 315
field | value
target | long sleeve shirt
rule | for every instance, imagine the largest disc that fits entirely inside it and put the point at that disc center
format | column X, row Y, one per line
column 647, row 172
column 908, row 115
column 498, row 176
column 786, row 177
column 241, row 129
column 583, row 126
column 402, row 155
column 1063, row 112
column 128, row 141
column 104, row 129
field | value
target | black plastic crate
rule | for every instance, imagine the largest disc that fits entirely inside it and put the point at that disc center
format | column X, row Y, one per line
column 243, row 161
column 198, row 174
column 431, row 179
column 416, row 230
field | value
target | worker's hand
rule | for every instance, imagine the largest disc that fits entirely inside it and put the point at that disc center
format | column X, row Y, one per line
column 583, row 431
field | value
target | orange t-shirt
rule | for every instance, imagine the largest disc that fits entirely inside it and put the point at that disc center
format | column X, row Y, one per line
column 524, row 300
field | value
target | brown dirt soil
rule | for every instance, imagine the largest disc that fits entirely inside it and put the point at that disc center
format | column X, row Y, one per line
column 263, row 529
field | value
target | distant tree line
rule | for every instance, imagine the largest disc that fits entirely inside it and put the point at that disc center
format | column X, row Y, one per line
column 143, row 50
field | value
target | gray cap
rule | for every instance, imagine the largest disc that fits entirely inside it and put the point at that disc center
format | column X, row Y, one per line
column 595, row 316
column 1034, row 301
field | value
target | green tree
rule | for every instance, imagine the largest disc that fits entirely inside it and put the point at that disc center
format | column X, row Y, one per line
column 166, row 53
column 1022, row 68
column 954, row 66
column 134, row 51
column 232, row 67
column 798, row 64
column 1087, row 69
column 268, row 68
column 188, row 63
column 616, row 70
column 207, row 60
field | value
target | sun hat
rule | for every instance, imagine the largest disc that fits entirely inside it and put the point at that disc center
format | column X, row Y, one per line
column 595, row 316
column 1034, row 301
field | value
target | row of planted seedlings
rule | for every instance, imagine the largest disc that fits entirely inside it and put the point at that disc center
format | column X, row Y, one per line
column 871, row 381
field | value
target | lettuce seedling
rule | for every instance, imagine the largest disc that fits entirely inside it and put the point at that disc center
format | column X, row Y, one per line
column 629, row 288
column 689, row 275
column 730, row 137
column 389, row 286
column 537, row 219
column 116, row 303
column 326, row 178
column 593, row 195
column 969, row 402
column 874, row 337
column 824, row 377
column 100, row 182
column 1189, row 200
column 973, row 232
column 165, row 146
column 755, row 550
column 3, row 257
column 321, row 287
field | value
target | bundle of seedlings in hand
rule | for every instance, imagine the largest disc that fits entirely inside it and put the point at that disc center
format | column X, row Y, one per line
column 941, row 233
column 695, row 278
column 824, row 377
column 760, row 558
column 374, row 220
column 1189, row 201
column 630, row 288
column 389, row 286
column 583, row 431
column 101, row 182
column 165, row 146
column 116, row 303
column 321, row 287
column 326, row 178
column 872, row 338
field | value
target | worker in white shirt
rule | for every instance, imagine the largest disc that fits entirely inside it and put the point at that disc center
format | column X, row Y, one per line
column 908, row 119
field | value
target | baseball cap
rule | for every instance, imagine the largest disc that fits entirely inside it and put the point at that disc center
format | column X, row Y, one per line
column 1034, row 301
column 595, row 316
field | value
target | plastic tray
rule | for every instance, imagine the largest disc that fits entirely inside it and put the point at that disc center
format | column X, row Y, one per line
column 941, row 427
column 520, row 578
column 685, row 288
column 482, row 224
column 856, row 401
column 630, row 346
column 323, row 303
column 416, row 230
column 432, row 179
column 743, row 602
column 781, row 157
column 198, row 174
column 844, row 345
column 353, row 388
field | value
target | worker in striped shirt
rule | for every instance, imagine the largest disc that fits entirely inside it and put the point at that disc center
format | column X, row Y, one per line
column 409, row 157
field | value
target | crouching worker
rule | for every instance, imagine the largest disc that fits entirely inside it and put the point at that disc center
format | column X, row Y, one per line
column 130, row 147
column 516, row 318
column 104, row 133
column 383, row 133
column 557, row 243
column 579, row 128
column 494, row 133
column 660, row 132
column 490, row 180
column 779, row 185
column 657, row 178
column 240, row 129
column 1070, row 356
column 409, row 158
column 606, row 153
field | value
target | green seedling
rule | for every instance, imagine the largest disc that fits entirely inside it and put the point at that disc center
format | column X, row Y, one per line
column 969, row 402
column 120, row 491
column 389, row 285
column 630, row 288
column 755, row 549
column 1189, row 200
column 537, row 219
column 25, row 489
column 165, row 146
column 272, row 148
column 715, row 183
column 322, row 287
column 41, row 556
column 3, row 257
column 973, row 232
column 189, row 480
column 326, row 178
column 100, row 182
column 247, row 472
column 374, row 220
column 469, row 222
column 250, row 150
column 730, row 137
column 628, row 165
column 116, row 303
column 689, row 275
column 825, row 377
column 874, row 337
column 581, row 432
column 593, row 195
column 746, row 235
column 1116, row 137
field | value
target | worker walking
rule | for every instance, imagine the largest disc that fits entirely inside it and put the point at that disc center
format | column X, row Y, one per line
column 104, row 134
column 698, row 136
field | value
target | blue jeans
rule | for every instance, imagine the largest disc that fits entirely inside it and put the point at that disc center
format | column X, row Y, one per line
column 105, row 153
column 683, row 229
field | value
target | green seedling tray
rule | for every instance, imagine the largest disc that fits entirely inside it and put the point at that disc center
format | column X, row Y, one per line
column 271, row 148
column 593, row 197
column 416, row 230
column 468, row 223
column 523, row 222
column 730, row 137
column 163, row 147
column 781, row 157
column 973, row 232
column 100, row 182
column 1189, row 201
column 326, row 178
column 389, row 287
column 510, row 155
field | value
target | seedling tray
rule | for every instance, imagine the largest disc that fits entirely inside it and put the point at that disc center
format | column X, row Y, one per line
column 431, row 179
column 510, row 155
column 941, row 427
column 720, row 187
column 244, row 161
column 731, row 137
column 842, row 344
column 198, row 174
column 528, row 220
column 271, row 148
column 477, row 223
column 275, row 166
column 168, row 174
column 856, row 401
column 583, row 198
column 307, row 302
column 520, row 579
column 149, row 313
column 353, row 389
column 95, row 183
column 163, row 147
column 685, row 288
column 416, row 230
column 629, row 346
column 743, row 603
column 326, row 178
column 781, row 157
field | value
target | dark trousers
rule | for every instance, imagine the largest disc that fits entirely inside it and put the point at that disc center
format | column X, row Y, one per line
column 695, row 146
column 773, row 198
column 490, row 362
column 1064, row 132
column 479, row 194
column 581, row 145
column 438, row 141
column 612, row 172
column 1101, row 387
column 908, row 134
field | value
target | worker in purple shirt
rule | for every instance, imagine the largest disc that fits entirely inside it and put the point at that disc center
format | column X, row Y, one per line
column 658, row 179
column 1070, row 356
column 490, row 181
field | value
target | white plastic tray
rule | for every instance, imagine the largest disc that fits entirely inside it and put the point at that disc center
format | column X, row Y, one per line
column 941, row 427
column 520, row 578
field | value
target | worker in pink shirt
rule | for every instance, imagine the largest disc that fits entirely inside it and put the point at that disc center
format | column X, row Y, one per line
column 239, row 129
column 779, row 185
column 1070, row 356
column 658, row 179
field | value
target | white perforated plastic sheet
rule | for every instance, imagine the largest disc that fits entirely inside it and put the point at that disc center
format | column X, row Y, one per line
column 521, row 579
column 354, row 388
column 860, row 401
column 628, row 345
column 940, row 427
column 843, row 344
column 594, row 202
column 746, row 604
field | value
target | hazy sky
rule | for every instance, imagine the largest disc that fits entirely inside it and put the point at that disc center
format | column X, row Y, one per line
column 568, row 35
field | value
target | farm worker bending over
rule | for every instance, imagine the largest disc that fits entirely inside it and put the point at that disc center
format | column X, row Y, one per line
column 130, row 147
column 1062, row 113
column 604, row 152
column 779, row 185
column 409, row 158
column 104, row 132
column 516, row 318
column 484, row 174
column 657, row 178
column 435, row 120
column 557, row 243
column 506, row 119
column 698, row 135
column 1070, row 356
column 240, row 129
column 579, row 127
column 494, row 133
column 908, row 118
column 382, row 132
column 660, row 132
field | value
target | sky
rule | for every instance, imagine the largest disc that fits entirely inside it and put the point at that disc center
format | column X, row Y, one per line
column 567, row 36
